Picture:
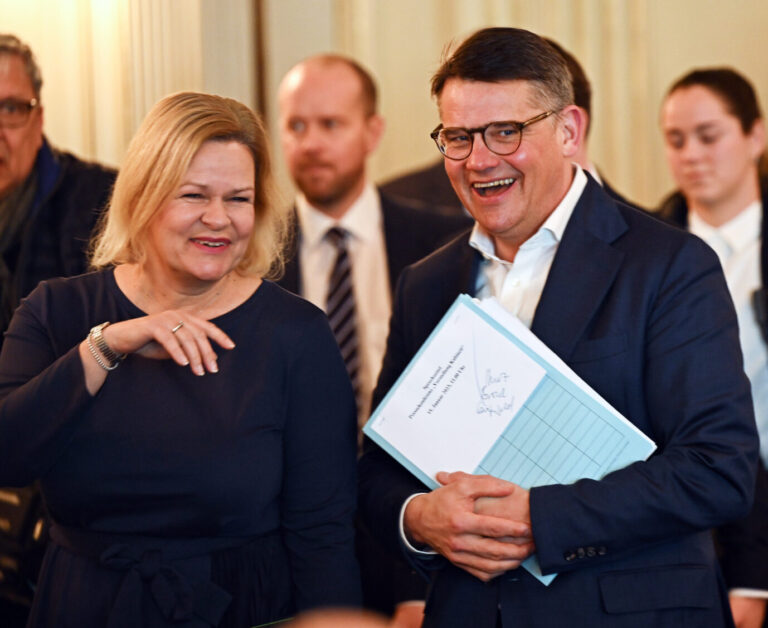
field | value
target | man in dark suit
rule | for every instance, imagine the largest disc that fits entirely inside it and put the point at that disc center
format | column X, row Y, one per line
column 329, row 126
column 639, row 310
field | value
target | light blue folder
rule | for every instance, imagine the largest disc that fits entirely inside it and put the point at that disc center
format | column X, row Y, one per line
column 560, row 433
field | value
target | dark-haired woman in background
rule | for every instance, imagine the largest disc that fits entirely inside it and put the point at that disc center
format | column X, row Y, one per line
column 192, row 424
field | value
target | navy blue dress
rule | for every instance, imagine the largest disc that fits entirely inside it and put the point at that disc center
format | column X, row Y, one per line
column 226, row 499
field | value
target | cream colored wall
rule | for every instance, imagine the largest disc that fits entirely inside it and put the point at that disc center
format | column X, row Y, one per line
column 106, row 61
column 59, row 34
column 684, row 34
column 293, row 29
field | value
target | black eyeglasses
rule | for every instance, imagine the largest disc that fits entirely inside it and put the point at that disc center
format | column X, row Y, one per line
column 502, row 138
column 14, row 112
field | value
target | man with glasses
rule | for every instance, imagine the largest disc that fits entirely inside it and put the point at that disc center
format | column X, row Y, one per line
column 49, row 203
column 638, row 310
column 49, row 200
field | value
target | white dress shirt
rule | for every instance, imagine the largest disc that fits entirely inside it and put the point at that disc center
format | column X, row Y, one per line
column 518, row 285
column 370, row 276
column 737, row 244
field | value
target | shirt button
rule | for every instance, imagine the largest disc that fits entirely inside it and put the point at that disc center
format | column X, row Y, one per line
column 591, row 552
column 580, row 552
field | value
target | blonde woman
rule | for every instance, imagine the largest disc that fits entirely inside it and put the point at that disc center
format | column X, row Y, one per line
column 192, row 424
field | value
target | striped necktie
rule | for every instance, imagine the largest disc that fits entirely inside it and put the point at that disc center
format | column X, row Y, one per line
column 340, row 306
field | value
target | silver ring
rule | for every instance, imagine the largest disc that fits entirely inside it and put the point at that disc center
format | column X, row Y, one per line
column 178, row 327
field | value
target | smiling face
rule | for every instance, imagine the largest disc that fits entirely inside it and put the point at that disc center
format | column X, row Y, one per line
column 510, row 196
column 18, row 146
column 327, row 133
column 712, row 159
column 200, row 234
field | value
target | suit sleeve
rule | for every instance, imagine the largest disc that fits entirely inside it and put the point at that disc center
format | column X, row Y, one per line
column 693, row 398
column 743, row 544
column 319, row 479
column 42, row 393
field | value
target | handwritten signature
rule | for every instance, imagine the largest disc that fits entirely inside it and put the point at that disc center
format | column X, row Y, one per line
column 495, row 398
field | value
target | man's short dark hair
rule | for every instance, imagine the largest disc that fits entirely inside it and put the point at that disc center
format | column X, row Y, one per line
column 582, row 89
column 498, row 54
column 12, row 45
column 367, row 84
column 732, row 88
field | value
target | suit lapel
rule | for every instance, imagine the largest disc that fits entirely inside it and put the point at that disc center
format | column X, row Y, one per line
column 460, row 275
column 459, row 266
column 583, row 270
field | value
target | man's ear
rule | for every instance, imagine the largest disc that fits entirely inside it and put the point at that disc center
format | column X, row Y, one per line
column 573, row 127
column 374, row 130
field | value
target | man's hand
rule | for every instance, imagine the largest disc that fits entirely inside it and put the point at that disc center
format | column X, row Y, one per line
column 748, row 612
column 484, row 545
column 515, row 507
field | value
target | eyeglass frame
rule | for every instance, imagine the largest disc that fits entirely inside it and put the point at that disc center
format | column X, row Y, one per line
column 482, row 129
column 30, row 105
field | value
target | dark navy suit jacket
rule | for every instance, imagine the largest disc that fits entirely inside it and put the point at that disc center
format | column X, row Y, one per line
column 642, row 313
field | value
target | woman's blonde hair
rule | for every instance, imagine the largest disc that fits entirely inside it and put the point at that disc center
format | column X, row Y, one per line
column 157, row 159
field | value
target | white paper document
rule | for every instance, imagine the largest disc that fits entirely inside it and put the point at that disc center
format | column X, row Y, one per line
column 484, row 395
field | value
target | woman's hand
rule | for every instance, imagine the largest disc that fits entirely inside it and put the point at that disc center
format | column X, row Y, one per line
column 154, row 337
column 175, row 334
